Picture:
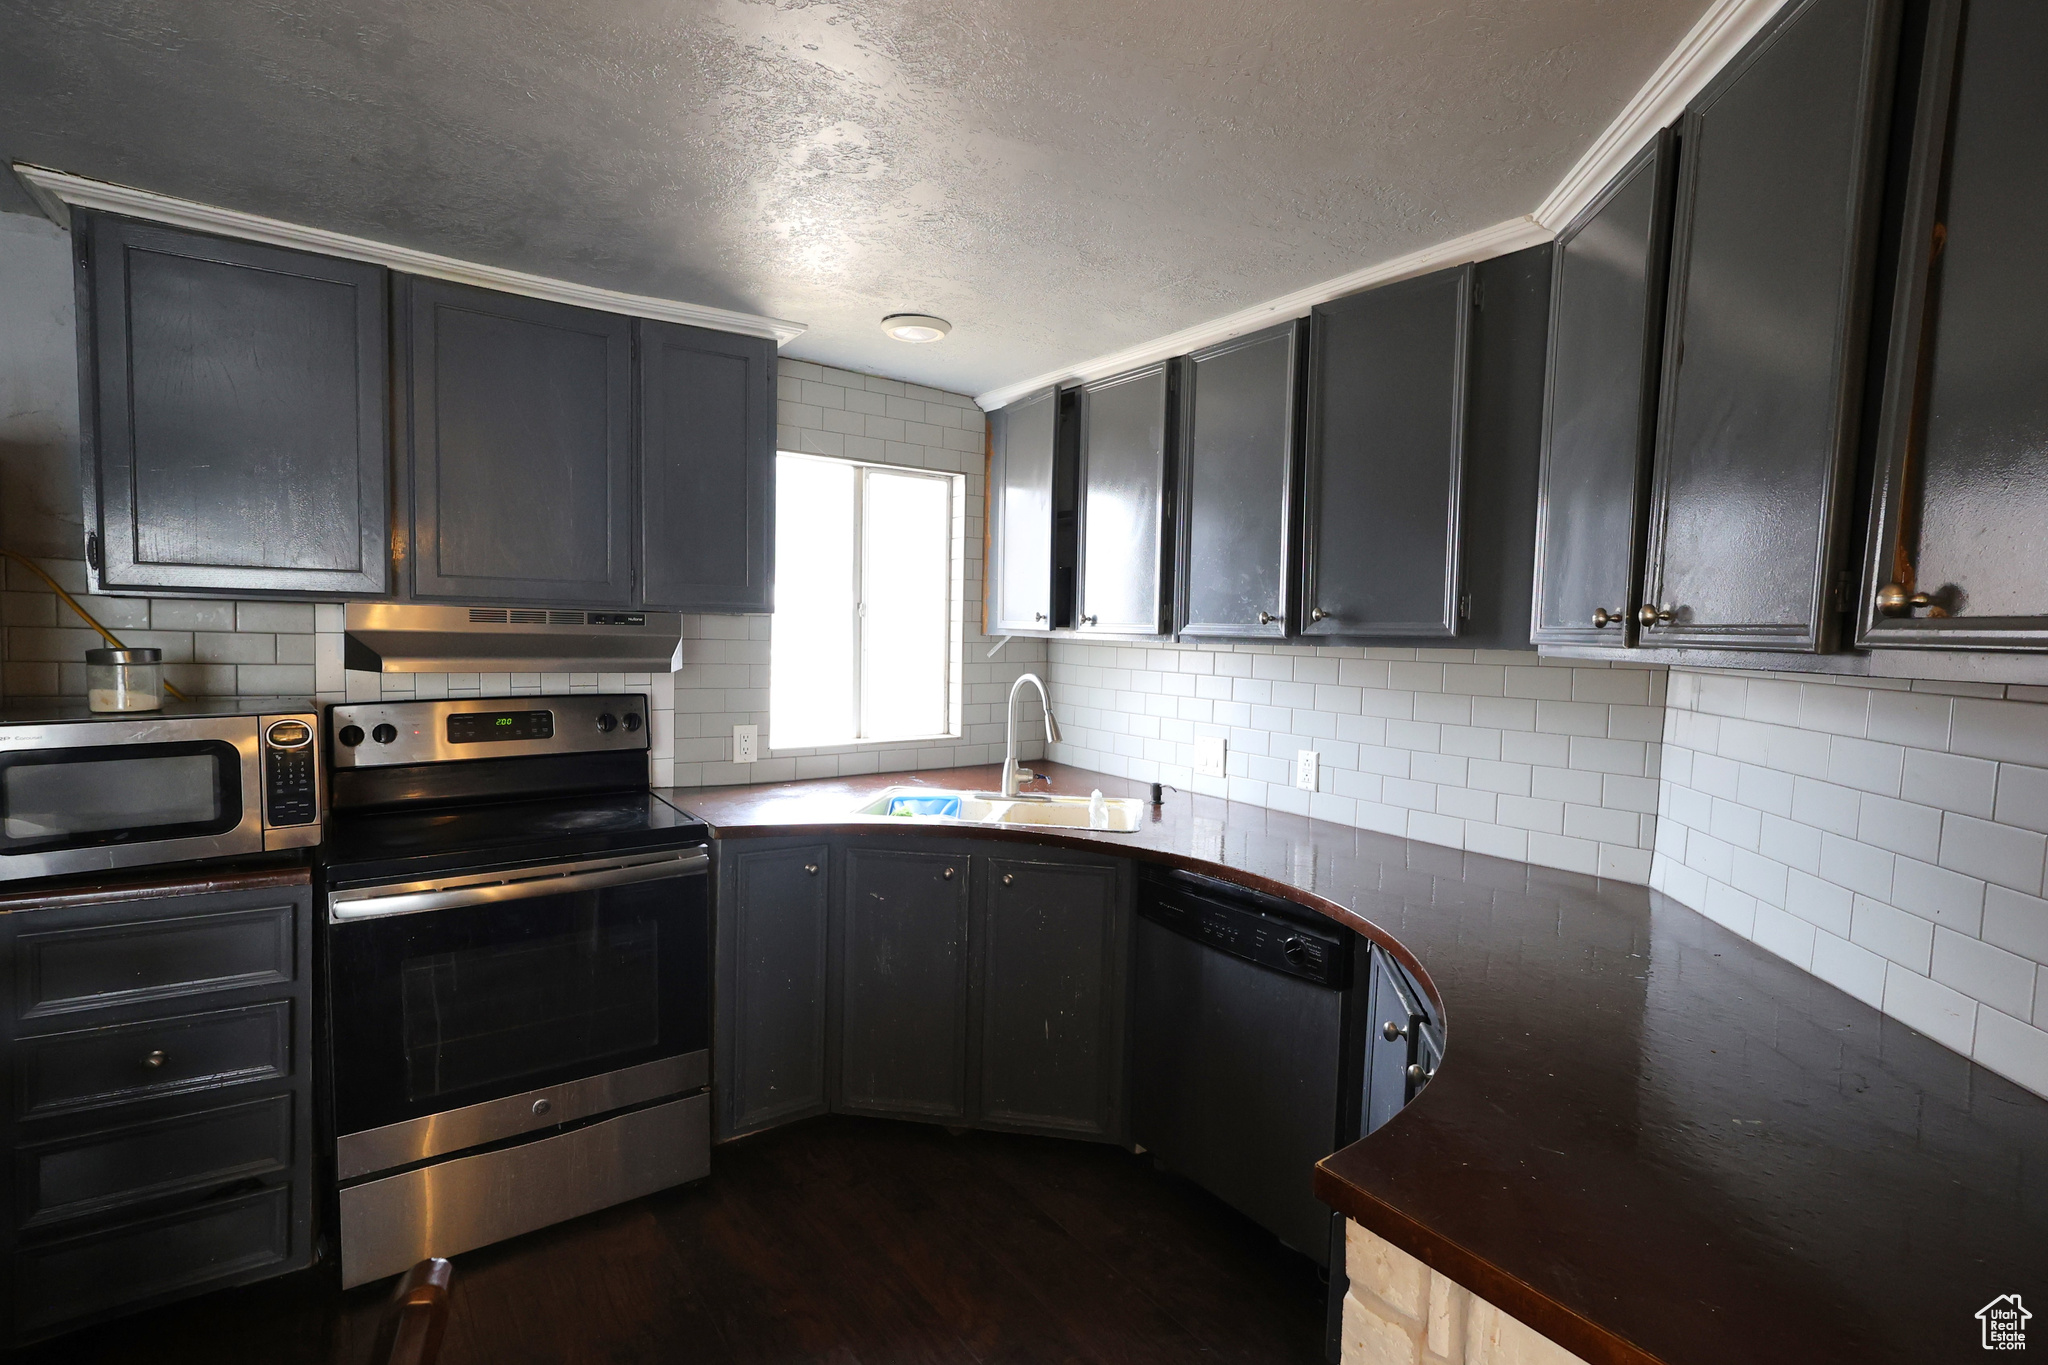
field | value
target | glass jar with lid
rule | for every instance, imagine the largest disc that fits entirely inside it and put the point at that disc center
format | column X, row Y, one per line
column 124, row 679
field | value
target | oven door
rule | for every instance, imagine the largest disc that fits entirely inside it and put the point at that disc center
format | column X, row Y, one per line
column 89, row 796
column 454, row 1002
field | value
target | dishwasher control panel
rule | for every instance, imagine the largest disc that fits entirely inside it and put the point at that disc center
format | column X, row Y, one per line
column 1237, row 925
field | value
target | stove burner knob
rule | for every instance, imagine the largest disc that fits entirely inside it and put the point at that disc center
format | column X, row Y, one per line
column 607, row 722
column 351, row 735
column 384, row 734
column 632, row 721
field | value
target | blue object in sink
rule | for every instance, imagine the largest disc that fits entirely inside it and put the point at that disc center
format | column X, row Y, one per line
column 924, row 805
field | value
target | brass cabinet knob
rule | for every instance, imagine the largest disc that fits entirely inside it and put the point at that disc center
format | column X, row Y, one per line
column 948, row 874
column 154, row 1058
column 1090, row 620
column 1007, row 879
column 1392, row 1031
column 1894, row 600
column 1417, row 1075
column 1267, row 618
column 1038, row 616
column 811, row 868
column 1652, row 615
column 1318, row 615
column 1603, row 618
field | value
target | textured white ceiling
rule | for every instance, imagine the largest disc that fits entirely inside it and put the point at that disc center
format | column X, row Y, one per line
column 1060, row 178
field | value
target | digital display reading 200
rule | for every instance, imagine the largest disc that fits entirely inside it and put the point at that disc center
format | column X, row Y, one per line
column 485, row 727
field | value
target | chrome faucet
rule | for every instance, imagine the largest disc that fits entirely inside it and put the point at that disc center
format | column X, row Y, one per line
column 1011, row 772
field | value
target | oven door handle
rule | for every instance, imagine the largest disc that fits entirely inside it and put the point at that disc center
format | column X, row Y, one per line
column 344, row 906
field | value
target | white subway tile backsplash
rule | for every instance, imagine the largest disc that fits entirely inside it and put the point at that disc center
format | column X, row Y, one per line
column 1943, row 1014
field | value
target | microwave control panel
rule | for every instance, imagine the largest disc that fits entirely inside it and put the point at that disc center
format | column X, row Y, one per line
column 291, row 790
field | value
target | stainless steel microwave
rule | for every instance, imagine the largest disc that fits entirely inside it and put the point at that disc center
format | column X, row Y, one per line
column 80, row 793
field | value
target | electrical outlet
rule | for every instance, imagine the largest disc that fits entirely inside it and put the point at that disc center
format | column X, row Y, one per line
column 1305, row 761
column 746, row 743
column 1209, row 756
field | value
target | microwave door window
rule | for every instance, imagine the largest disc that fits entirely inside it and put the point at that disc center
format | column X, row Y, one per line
column 111, row 800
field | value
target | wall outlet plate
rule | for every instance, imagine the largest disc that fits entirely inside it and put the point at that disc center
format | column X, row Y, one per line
column 1305, row 761
column 1209, row 751
column 746, row 743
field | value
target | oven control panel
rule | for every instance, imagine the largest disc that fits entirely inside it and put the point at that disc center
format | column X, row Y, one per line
column 291, row 772
column 389, row 733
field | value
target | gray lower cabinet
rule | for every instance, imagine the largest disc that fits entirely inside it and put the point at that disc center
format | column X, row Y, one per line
column 235, row 414
column 707, row 469
column 1781, row 171
column 158, row 1125
column 774, row 902
column 1050, row 952
column 898, row 1042
column 518, row 421
column 921, row 979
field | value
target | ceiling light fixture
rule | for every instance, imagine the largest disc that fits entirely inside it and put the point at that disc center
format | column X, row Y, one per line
column 916, row 327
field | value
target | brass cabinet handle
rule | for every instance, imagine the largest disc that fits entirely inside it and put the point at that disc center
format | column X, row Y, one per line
column 1392, row 1031
column 811, row 868
column 1652, row 615
column 1603, row 618
column 1417, row 1074
column 948, row 874
column 1007, row 879
column 1894, row 600
column 154, row 1058
column 1318, row 615
column 1267, row 618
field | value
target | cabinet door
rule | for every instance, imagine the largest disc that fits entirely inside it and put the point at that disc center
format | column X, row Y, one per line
column 1124, row 486
column 1023, row 451
column 1600, row 405
column 773, row 956
column 521, row 449
column 1051, row 955
column 1239, row 484
column 1764, row 360
column 707, row 469
column 1961, row 501
column 236, row 415
column 902, row 985
column 1386, row 459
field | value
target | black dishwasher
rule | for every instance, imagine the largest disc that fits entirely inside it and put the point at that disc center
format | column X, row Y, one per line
column 1248, row 1047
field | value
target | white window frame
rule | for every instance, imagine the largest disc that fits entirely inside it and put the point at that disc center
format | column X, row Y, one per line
column 955, row 486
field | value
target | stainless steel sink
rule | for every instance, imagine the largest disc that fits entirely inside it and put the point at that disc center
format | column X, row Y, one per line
column 1123, row 814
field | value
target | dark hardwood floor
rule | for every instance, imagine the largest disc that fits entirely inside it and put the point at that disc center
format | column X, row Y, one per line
column 850, row 1241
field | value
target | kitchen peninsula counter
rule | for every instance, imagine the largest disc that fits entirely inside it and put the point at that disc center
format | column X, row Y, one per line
column 1650, row 1139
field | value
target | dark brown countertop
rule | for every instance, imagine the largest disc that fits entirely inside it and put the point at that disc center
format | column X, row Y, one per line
column 1650, row 1139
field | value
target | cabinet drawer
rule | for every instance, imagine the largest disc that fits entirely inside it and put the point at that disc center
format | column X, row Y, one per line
column 86, row 1275
column 61, row 970
column 191, row 1153
column 65, row 1071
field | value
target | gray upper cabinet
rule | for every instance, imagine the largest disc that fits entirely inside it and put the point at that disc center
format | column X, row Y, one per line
column 1958, row 553
column 1051, row 955
column 1600, row 409
column 773, row 970
column 1386, row 460
column 235, row 414
column 1764, row 353
column 1123, row 523
column 1239, row 484
column 520, row 483
column 1023, row 453
column 707, row 469
column 900, row 1045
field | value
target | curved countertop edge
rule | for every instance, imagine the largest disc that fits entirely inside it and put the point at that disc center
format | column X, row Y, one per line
column 821, row 807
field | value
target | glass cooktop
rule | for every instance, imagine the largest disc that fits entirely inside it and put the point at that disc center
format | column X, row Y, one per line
column 375, row 845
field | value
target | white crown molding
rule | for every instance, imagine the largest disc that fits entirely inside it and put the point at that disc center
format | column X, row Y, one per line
column 56, row 192
column 1721, row 32
column 1498, row 240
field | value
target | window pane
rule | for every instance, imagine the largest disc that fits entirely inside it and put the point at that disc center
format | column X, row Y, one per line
column 810, row 671
column 908, row 545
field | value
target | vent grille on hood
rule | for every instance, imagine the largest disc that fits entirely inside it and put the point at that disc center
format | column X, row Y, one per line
column 394, row 637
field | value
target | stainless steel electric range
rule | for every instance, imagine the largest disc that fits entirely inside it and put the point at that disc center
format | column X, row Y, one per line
column 517, row 937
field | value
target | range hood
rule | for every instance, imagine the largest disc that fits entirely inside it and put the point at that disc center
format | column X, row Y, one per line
column 394, row 637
